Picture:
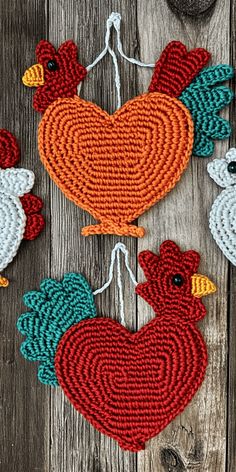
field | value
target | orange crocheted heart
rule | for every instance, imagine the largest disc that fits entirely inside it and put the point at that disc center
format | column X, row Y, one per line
column 131, row 385
column 116, row 166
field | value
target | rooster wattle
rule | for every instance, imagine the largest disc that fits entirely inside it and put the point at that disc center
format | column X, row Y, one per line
column 117, row 166
column 128, row 385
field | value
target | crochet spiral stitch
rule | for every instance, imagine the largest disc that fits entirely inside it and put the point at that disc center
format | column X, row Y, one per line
column 117, row 166
column 222, row 219
column 131, row 385
column 128, row 385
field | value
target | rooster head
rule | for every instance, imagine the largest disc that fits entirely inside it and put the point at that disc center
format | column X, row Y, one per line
column 173, row 286
column 56, row 74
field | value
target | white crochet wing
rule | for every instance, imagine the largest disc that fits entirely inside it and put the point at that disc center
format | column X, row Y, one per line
column 16, row 181
column 222, row 222
column 12, row 226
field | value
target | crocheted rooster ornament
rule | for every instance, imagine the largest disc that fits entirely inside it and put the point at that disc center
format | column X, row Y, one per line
column 222, row 218
column 128, row 385
column 20, row 216
column 117, row 166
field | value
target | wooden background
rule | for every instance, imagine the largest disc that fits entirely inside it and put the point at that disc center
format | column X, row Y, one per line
column 40, row 431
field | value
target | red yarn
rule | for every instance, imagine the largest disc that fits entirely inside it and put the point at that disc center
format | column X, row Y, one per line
column 131, row 385
column 35, row 223
column 31, row 203
column 176, row 68
column 61, row 82
column 9, row 149
column 160, row 292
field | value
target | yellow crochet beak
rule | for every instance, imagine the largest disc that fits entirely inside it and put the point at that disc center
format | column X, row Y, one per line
column 202, row 286
column 34, row 76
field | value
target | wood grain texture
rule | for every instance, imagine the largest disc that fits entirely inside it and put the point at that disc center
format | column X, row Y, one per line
column 75, row 443
column 40, row 431
column 24, row 410
column 196, row 439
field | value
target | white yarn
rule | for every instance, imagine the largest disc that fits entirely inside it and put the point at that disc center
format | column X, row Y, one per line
column 115, row 256
column 115, row 21
column 14, row 183
column 222, row 219
column 12, row 227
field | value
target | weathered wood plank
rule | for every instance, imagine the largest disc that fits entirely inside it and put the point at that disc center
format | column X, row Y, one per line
column 75, row 444
column 196, row 439
column 39, row 428
column 24, row 402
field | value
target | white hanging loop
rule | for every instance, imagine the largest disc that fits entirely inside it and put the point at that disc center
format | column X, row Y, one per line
column 115, row 255
column 115, row 20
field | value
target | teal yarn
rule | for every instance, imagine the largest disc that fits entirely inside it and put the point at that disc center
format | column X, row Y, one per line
column 54, row 309
column 204, row 99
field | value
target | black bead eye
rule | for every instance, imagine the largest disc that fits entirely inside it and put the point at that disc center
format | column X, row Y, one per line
column 52, row 65
column 232, row 167
column 177, row 280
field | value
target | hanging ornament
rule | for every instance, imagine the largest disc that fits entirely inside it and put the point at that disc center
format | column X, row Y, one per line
column 20, row 216
column 222, row 218
column 117, row 166
column 129, row 386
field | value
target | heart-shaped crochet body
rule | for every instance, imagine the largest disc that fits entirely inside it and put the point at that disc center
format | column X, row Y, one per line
column 131, row 385
column 116, row 166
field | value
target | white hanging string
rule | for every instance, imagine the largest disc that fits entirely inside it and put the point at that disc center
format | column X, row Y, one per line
column 115, row 20
column 115, row 256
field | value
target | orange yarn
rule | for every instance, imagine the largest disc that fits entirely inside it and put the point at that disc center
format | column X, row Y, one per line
column 116, row 166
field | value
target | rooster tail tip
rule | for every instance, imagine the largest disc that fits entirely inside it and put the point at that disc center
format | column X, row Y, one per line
column 53, row 309
column 176, row 68
column 205, row 97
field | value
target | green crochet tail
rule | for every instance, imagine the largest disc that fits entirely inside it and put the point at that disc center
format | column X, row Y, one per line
column 54, row 309
column 204, row 99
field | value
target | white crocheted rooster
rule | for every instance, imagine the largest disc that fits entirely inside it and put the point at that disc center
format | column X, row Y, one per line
column 222, row 218
column 20, row 216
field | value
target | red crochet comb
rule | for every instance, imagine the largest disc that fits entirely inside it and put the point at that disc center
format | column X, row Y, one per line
column 170, row 255
column 160, row 292
column 176, row 68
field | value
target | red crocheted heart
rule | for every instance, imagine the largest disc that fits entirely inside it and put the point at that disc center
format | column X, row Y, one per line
column 176, row 68
column 131, row 385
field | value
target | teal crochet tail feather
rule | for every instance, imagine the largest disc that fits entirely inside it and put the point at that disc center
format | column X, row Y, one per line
column 54, row 309
column 204, row 99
